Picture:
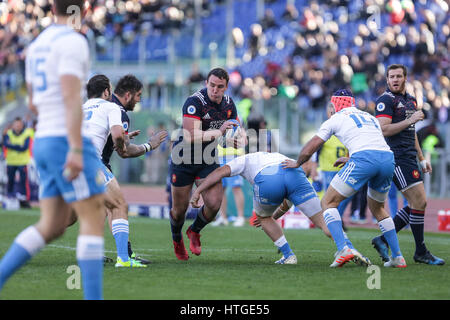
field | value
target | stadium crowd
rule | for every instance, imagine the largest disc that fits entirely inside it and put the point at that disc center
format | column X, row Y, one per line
column 304, row 51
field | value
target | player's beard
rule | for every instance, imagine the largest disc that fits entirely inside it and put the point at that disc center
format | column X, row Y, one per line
column 400, row 88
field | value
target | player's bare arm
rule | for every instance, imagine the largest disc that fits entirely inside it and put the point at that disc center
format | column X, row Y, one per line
column 70, row 89
column 426, row 166
column 118, row 137
column 136, row 150
column 389, row 129
column 193, row 131
column 308, row 150
column 209, row 181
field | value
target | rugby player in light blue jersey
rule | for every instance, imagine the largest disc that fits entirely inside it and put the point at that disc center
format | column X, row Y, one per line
column 371, row 160
column 57, row 66
column 274, row 191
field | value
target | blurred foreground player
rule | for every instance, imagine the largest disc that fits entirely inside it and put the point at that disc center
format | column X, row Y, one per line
column 57, row 65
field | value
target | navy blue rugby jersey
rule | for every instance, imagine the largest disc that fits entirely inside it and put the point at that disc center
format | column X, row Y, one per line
column 108, row 149
column 398, row 107
column 212, row 115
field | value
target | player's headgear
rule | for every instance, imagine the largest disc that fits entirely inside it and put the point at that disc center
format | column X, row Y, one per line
column 342, row 98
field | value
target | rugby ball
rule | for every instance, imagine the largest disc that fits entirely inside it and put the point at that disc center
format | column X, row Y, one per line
column 234, row 132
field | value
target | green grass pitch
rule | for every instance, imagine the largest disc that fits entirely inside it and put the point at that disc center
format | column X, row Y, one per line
column 235, row 264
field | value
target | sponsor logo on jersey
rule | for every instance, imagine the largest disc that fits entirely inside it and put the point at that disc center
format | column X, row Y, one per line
column 400, row 105
column 381, row 107
column 191, row 110
column 351, row 180
column 416, row 174
column 206, row 116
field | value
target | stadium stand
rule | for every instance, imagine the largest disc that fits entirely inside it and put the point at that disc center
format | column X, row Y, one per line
column 293, row 50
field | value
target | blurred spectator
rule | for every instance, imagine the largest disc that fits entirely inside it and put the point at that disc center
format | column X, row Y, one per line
column 17, row 141
column 156, row 160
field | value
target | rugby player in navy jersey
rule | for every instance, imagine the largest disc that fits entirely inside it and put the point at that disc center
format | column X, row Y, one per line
column 397, row 113
column 206, row 117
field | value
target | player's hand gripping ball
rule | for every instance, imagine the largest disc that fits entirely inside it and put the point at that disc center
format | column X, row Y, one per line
column 234, row 132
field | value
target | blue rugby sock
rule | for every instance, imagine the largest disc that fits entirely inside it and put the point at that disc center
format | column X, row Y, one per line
column 24, row 247
column 387, row 227
column 348, row 242
column 334, row 224
column 90, row 260
column 284, row 247
column 120, row 231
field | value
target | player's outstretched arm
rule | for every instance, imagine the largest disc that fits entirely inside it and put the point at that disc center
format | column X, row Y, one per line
column 134, row 150
column 157, row 138
column 308, row 150
column 209, row 181
column 118, row 137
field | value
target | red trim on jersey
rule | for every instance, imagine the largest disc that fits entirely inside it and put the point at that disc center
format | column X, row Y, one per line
column 191, row 116
column 383, row 115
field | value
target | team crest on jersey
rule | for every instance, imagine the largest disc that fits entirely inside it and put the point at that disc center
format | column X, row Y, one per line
column 228, row 114
column 381, row 107
column 174, row 178
column 416, row 174
column 191, row 110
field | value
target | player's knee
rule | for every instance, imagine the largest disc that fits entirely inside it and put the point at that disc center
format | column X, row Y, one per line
column 50, row 233
column 421, row 204
column 178, row 213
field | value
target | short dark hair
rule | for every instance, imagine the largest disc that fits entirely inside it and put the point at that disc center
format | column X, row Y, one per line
column 128, row 83
column 219, row 73
column 97, row 85
column 62, row 6
column 397, row 66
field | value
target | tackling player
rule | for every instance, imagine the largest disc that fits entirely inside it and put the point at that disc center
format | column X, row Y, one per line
column 397, row 113
column 272, row 185
column 57, row 65
column 370, row 161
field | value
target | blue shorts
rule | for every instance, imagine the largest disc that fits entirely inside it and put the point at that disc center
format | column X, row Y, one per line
column 50, row 155
column 234, row 181
column 327, row 177
column 369, row 166
column 273, row 184
column 108, row 175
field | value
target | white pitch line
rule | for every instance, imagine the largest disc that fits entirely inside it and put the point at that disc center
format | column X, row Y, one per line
column 207, row 249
